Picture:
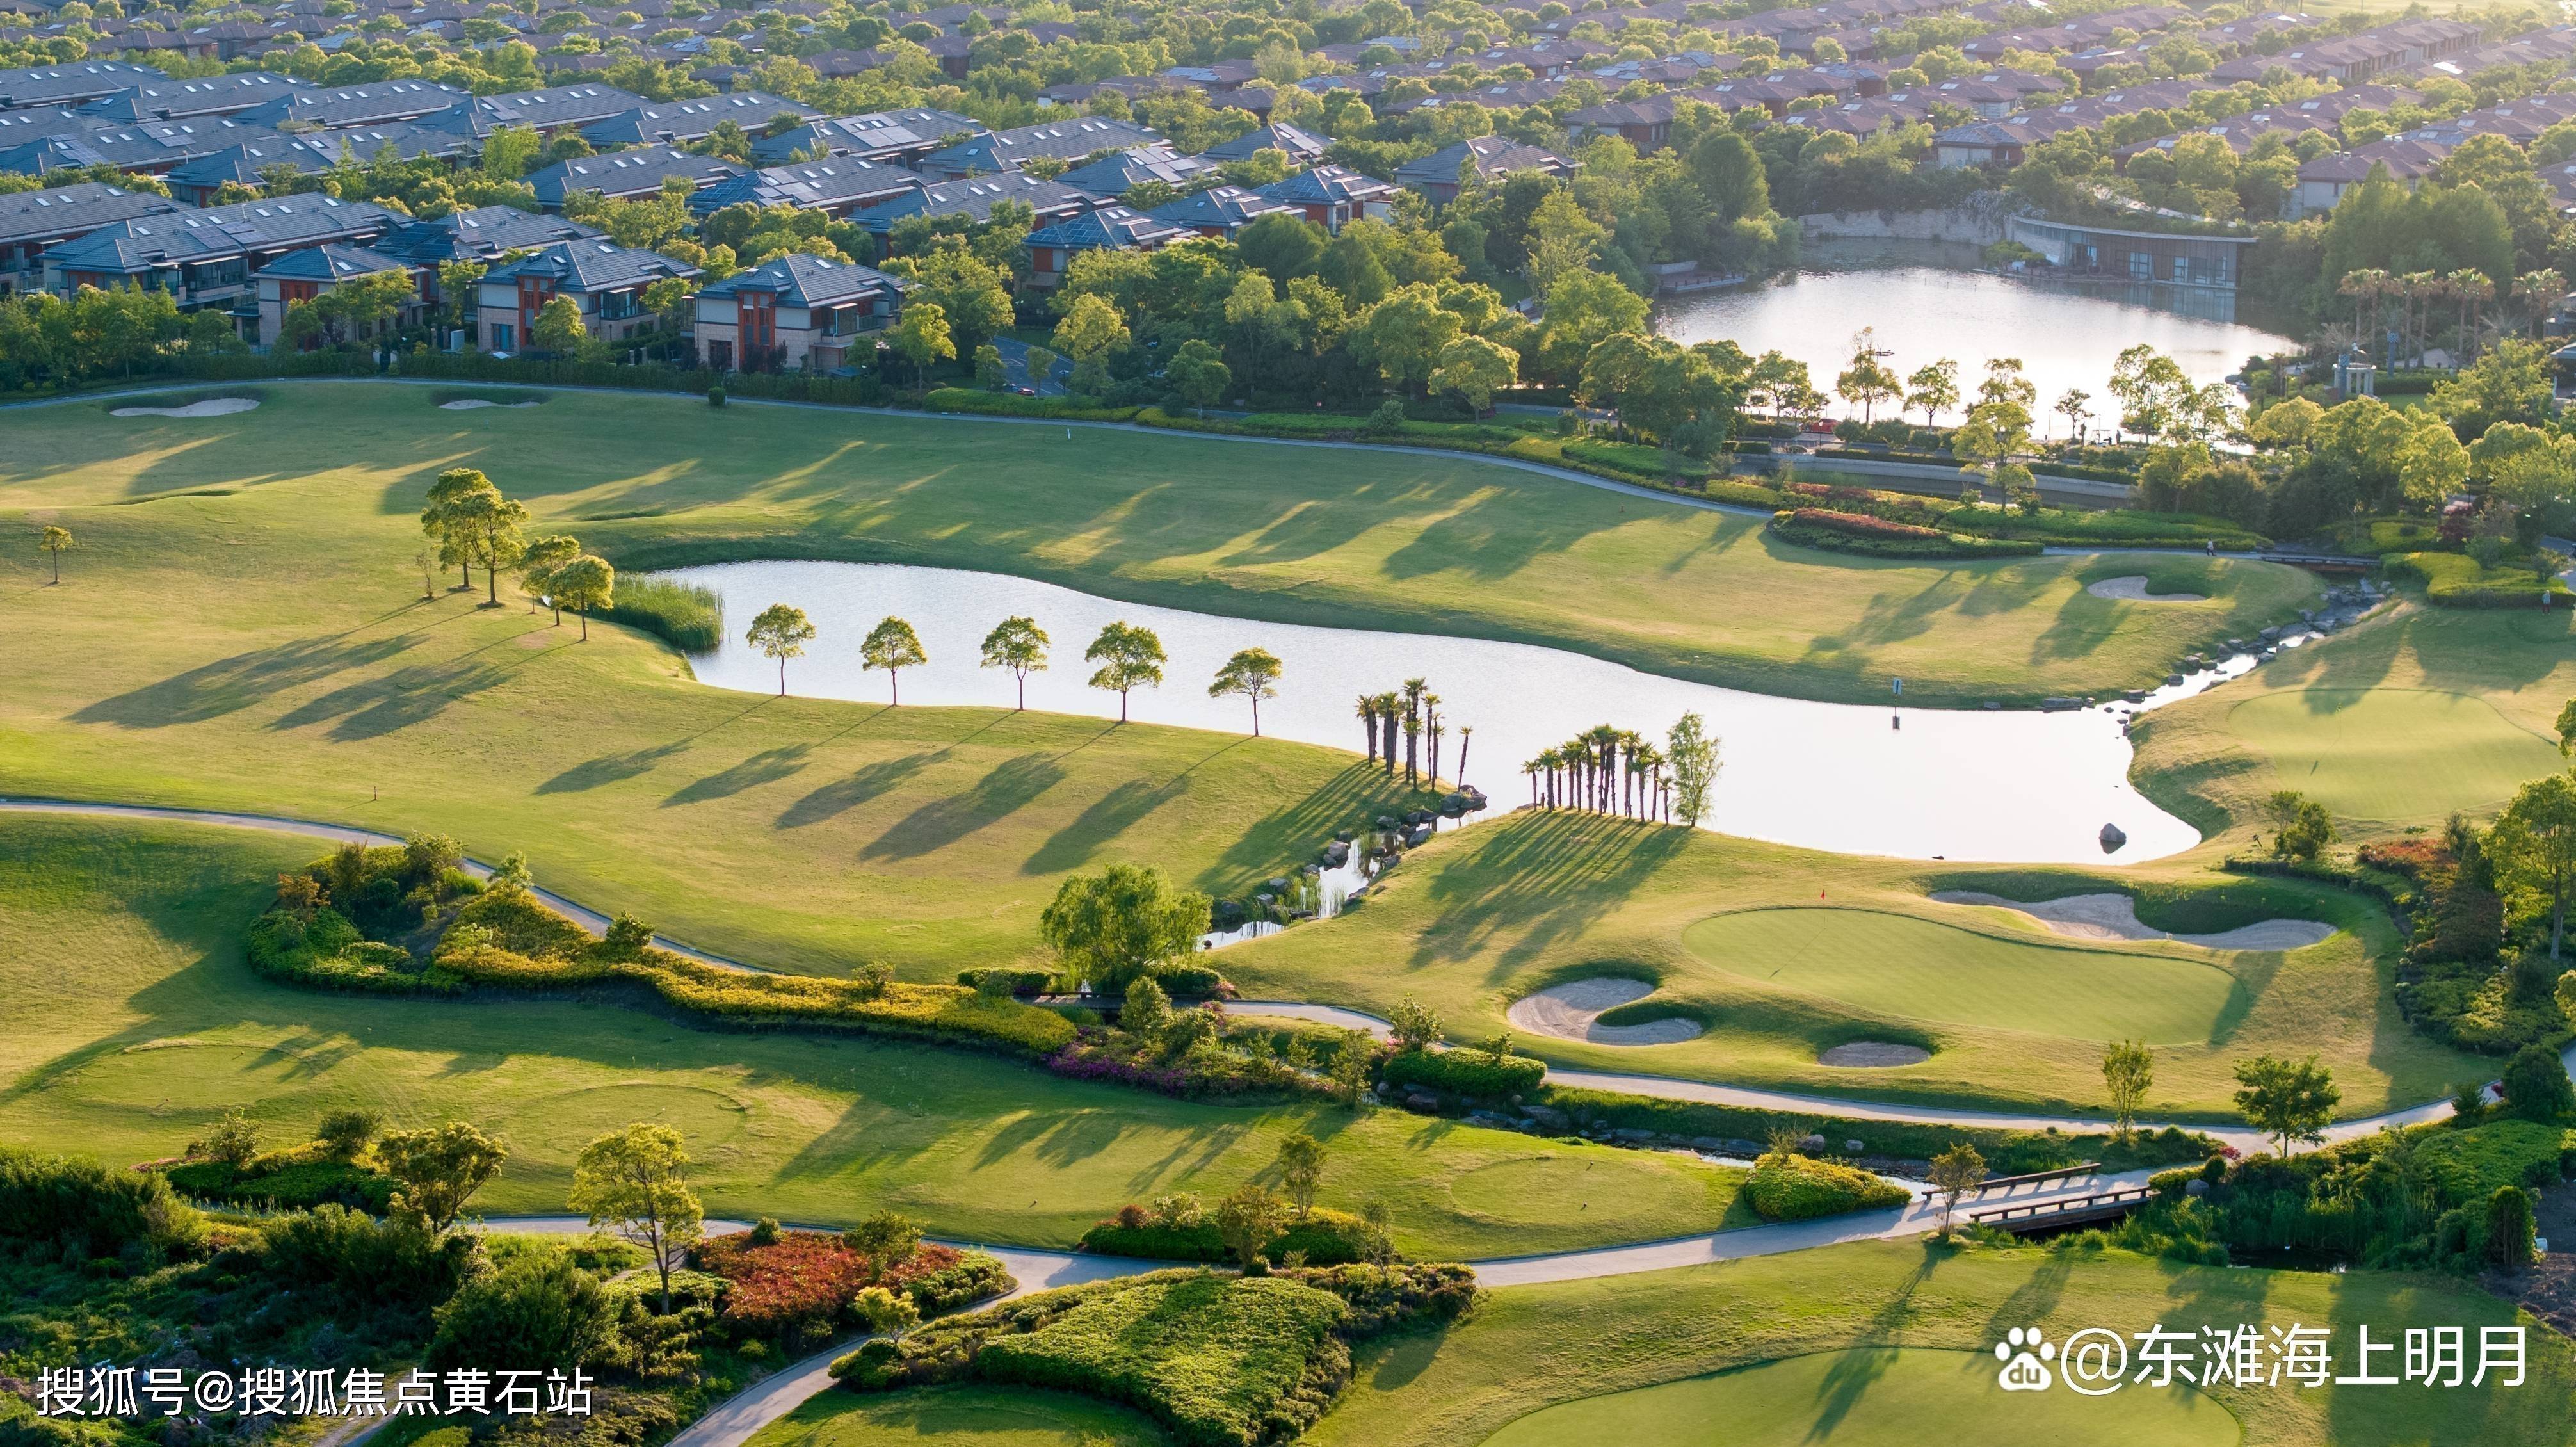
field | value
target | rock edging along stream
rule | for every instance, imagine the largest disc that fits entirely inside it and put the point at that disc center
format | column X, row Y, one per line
column 1655, row 1087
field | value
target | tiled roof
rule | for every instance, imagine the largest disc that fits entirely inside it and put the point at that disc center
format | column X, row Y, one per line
column 483, row 233
column 328, row 262
column 801, row 280
column 590, row 265
column 217, row 232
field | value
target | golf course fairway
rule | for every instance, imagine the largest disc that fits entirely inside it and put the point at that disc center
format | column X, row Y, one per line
column 2392, row 754
column 1873, row 1397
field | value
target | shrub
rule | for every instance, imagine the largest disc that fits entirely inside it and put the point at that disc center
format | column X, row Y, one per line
column 2467, row 1166
column 1009, row 404
column 1877, row 537
column 1326, row 1237
column 1221, row 1362
column 2536, row 1086
column 90, row 1209
column 295, row 1185
column 1466, row 1071
column 800, row 1285
column 1151, row 1240
column 940, row 1278
column 1794, row 1188
column 688, row 616
column 1013, row 981
column 715, row 396
column 539, row 1312
column 340, row 1250
column 2453, row 580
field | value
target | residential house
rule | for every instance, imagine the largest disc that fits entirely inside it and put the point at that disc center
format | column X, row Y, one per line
column 300, row 276
column 32, row 222
column 626, row 175
column 333, row 108
column 1220, row 210
column 1303, row 147
column 1335, row 196
column 606, row 280
column 835, row 187
column 1984, row 143
column 484, row 234
column 1117, row 174
column 683, row 121
column 1111, row 228
column 1067, row 140
column 899, row 138
column 974, row 199
column 796, row 313
column 144, row 147
column 71, row 82
column 1643, row 124
column 241, row 163
column 551, row 112
column 1491, row 158
column 205, row 258
column 174, row 100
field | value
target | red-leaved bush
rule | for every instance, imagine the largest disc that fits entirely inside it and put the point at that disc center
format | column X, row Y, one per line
column 798, row 1286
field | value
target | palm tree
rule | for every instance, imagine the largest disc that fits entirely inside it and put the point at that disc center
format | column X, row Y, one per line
column 1387, row 709
column 2471, row 288
column 2367, row 284
column 1431, row 728
column 1366, row 711
column 1548, row 760
column 2539, row 289
column 2419, row 286
column 1466, row 736
column 1414, row 689
column 1529, row 771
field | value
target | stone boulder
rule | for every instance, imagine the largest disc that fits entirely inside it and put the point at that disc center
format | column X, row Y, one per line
column 1548, row 1116
column 2112, row 838
column 1811, row 1143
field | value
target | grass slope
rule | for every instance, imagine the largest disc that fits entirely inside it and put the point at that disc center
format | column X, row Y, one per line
column 965, row 1416
column 1872, row 1397
column 1529, row 1348
column 129, row 1023
column 2015, row 1016
column 2393, row 724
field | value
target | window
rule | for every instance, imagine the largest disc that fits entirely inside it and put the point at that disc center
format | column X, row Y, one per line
column 2182, row 268
column 618, row 305
column 501, row 336
column 2142, row 267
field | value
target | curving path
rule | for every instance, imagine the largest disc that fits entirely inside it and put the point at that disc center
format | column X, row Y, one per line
column 774, row 1396
column 1663, row 1087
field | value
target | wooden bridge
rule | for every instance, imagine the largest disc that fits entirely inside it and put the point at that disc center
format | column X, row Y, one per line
column 2064, row 1211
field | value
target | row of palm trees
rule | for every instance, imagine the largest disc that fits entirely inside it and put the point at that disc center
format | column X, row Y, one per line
column 2419, row 292
column 1606, row 770
column 1414, row 711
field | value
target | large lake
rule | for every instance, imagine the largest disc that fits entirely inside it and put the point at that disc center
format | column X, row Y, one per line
column 1925, row 306
column 1966, row 785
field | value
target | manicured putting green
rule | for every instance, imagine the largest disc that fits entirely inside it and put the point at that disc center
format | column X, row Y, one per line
column 2392, row 753
column 1553, row 1187
column 968, row 1416
column 1893, row 964
column 1874, row 1397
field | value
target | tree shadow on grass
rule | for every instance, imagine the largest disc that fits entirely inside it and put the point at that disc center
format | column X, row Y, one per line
column 1537, row 881
column 1095, row 828
column 375, row 707
column 766, row 767
column 1349, row 800
column 612, row 768
column 1009, row 786
column 232, row 684
column 842, row 795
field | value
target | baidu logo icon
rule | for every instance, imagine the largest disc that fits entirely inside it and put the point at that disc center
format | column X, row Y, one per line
column 2025, row 1355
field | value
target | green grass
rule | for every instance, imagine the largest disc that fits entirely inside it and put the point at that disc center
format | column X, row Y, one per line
column 2392, row 754
column 1531, row 1348
column 973, row 1415
column 129, row 1023
column 2394, row 723
column 2014, row 1017
column 1900, row 965
column 1874, row 1397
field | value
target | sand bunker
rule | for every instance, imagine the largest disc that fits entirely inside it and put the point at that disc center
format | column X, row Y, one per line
column 2115, row 917
column 468, row 404
column 2133, row 589
column 1573, row 1012
column 1873, row 1055
column 211, row 407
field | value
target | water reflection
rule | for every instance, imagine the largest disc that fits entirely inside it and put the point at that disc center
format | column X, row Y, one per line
column 1926, row 304
column 1963, row 785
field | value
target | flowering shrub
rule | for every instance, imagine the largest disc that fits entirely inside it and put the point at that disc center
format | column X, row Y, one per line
column 800, row 1286
column 1096, row 1054
column 1860, row 524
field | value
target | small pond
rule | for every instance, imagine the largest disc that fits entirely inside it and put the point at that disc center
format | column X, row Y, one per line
column 2005, row 785
column 1926, row 304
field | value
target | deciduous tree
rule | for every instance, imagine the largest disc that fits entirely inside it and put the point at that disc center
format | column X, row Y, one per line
column 1112, row 927
column 1252, row 672
column 781, row 632
column 1020, row 645
column 1129, row 658
column 894, row 647
column 585, row 585
column 635, row 1183
column 2286, row 1100
column 440, row 1168
column 55, row 541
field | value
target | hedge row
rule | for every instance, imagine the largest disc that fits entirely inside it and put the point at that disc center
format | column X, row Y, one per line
column 1794, row 1188
column 294, row 1185
column 1468, row 1072
column 1872, row 537
column 2455, row 580
column 1011, row 404
column 1325, row 1237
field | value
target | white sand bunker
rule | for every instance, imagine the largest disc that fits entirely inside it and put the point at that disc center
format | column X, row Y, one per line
column 1873, row 1055
column 1573, row 1012
column 211, row 407
column 2115, row 917
column 2133, row 589
column 468, row 404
